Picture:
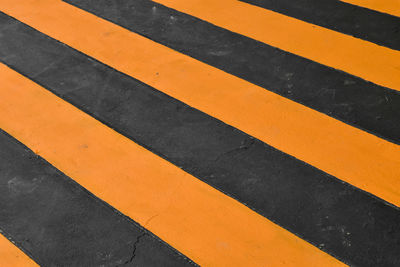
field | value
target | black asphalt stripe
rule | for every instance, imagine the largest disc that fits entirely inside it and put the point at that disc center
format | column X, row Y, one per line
column 350, row 99
column 382, row 29
column 61, row 224
column 341, row 220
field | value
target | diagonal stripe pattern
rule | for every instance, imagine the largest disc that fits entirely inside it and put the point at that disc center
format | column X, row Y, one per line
column 389, row 6
column 156, row 194
column 287, row 126
column 319, row 44
column 193, row 161
column 339, row 16
column 337, row 94
column 209, row 149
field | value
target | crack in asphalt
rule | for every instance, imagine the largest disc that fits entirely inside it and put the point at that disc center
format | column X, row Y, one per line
column 134, row 249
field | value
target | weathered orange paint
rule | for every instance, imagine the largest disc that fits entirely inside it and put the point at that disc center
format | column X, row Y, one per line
column 350, row 154
column 201, row 222
column 391, row 7
column 369, row 61
column 11, row 256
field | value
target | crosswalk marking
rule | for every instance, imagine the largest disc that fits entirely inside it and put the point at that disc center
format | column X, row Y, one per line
column 350, row 154
column 163, row 198
column 240, row 203
column 335, row 93
column 319, row 44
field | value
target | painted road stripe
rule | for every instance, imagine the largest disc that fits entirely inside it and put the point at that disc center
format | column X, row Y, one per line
column 362, row 23
column 268, row 181
column 333, row 49
column 386, row 6
column 338, row 94
column 11, row 256
column 352, row 155
column 61, row 224
column 199, row 221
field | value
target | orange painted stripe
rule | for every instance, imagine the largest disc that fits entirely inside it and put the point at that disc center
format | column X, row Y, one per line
column 391, row 7
column 11, row 256
column 369, row 61
column 350, row 154
column 201, row 222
